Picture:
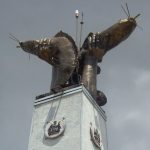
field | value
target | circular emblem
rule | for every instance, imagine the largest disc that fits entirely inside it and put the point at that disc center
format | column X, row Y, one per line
column 95, row 137
column 54, row 128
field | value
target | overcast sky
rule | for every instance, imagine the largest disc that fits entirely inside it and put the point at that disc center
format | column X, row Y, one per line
column 125, row 75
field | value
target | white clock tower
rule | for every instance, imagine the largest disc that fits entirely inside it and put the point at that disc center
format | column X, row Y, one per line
column 69, row 120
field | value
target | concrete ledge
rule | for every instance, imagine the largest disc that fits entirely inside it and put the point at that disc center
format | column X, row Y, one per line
column 78, row 89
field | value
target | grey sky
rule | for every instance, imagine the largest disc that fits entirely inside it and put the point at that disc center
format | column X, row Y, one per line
column 125, row 75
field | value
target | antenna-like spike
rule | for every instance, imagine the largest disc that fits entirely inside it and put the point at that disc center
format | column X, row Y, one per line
column 77, row 16
column 125, row 11
column 128, row 10
column 81, row 30
column 137, row 16
column 13, row 38
column 140, row 27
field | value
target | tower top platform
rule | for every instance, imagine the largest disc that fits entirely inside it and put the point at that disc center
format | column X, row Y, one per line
column 67, row 92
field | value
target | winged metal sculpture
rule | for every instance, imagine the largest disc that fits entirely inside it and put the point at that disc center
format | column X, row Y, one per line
column 71, row 65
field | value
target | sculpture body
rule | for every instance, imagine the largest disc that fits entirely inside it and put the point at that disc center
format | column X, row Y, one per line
column 73, row 66
column 59, row 51
column 89, row 74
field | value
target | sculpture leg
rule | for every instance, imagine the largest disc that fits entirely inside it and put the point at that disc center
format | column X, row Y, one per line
column 59, row 79
column 89, row 74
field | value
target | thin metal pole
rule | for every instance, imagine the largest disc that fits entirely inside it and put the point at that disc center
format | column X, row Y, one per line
column 77, row 16
column 77, row 31
column 81, row 31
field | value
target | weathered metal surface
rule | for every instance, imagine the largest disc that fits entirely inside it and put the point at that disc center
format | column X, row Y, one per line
column 59, row 51
column 109, row 38
column 101, row 99
column 89, row 74
column 95, row 47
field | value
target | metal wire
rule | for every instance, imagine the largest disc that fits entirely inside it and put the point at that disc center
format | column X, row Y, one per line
column 58, row 105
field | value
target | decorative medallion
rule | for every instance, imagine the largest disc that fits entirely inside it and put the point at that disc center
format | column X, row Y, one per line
column 54, row 128
column 95, row 136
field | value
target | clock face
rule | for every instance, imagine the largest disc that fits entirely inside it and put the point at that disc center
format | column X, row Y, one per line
column 54, row 128
column 96, row 137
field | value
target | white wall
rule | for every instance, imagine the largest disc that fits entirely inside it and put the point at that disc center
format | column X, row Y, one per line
column 91, row 114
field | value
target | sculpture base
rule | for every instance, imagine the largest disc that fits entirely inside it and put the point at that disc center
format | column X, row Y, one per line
column 69, row 120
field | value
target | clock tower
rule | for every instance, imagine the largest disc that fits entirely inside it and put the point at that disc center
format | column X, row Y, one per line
column 69, row 120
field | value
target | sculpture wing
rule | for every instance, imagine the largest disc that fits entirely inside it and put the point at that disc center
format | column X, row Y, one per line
column 66, row 59
column 96, row 45
column 60, row 51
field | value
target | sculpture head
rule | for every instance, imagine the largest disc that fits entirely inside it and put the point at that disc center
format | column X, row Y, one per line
column 28, row 46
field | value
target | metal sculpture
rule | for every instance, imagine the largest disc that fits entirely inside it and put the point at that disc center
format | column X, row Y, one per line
column 72, row 65
column 95, row 137
column 54, row 128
